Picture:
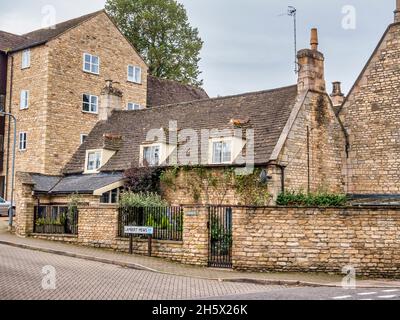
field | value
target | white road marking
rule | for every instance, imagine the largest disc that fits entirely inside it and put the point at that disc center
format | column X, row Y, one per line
column 366, row 293
column 341, row 297
column 390, row 290
column 386, row 297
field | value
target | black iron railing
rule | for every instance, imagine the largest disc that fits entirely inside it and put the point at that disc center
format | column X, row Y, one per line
column 220, row 237
column 166, row 221
column 55, row 220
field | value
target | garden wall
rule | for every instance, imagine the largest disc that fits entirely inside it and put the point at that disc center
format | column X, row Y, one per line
column 319, row 240
column 98, row 227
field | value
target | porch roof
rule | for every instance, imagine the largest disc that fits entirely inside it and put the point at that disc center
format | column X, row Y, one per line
column 83, row 183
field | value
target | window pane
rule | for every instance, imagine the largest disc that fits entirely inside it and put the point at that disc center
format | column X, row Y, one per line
column 138, row 75
column 114, row 196
column 226, row 152
column 87, row 58
column 87, row 66
column 95, row 60
column 217, row 151
column 93, row 102
column 95, row 69
column 105, row 198
column 98, row 160
column 130, row 73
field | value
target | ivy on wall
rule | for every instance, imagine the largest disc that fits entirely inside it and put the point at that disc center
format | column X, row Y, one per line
column 214, row 185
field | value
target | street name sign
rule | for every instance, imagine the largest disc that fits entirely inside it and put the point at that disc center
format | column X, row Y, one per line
column 139, row 230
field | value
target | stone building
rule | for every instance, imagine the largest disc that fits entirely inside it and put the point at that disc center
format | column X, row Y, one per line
column 370, row 115
column 52, row 81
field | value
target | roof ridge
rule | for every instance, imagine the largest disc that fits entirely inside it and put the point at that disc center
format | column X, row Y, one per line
column 210, row 99
column 176, row 81
column 65, row 21
column 14, row 34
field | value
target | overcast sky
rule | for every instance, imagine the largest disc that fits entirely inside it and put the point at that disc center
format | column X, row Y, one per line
column 248, row 44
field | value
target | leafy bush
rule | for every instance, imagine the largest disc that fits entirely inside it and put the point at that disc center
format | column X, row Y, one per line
column 311, row 200
column 144, row 179
column 53, row 222
column 142, row 200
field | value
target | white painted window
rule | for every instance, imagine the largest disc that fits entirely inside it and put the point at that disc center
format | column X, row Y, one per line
column 83, row 138
column 91, row 63
column 222, row 152
column 90, row 103
column 22, row 141
column 93, row 162
column 134, row 74
column 134, row 106
column 26, row 59
column 24, row 100
column 151, row 155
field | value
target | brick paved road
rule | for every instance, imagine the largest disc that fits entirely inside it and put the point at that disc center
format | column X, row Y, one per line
column 21, row 278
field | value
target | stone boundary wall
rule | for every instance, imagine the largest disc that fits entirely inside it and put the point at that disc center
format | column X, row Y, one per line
column 317, row 240
column 98, row 227
column 268, row 239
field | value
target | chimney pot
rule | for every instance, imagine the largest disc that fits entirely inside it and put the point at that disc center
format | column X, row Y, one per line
column 337, row 96
column 314, row 38
column 397, row 12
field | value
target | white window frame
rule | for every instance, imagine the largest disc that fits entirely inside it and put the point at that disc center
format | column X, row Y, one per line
column 135, row 106
column 88, row 152
column 90, row 103
column 152, row 146
column 83, row 137
column 223, row 141
column 26, row 59
column 24, row 100
column 91, row 64
column 23, row 138
column 137, row 74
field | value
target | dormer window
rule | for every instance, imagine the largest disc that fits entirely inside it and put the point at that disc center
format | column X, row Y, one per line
column 151, row 155
column 93, row 162
column 91, row 63
column 95, row 159
column 225, row 150
column 222, row 152
column 26, row 59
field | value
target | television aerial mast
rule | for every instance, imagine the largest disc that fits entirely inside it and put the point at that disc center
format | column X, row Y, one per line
column 292, row 12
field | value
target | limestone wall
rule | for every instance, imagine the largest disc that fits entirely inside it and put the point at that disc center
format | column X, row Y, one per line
column 319, row 240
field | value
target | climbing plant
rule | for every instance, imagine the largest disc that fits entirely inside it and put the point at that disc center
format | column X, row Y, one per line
column 212, row 185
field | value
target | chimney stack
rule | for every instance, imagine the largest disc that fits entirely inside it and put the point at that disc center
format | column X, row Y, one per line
column 337, row 96
column 397, row 12
column 110, row 99
column 311, row 67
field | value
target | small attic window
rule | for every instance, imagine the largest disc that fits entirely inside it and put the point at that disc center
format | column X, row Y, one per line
column 26, row 59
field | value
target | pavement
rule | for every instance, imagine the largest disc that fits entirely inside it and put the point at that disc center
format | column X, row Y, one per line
column 162, row 266
column 34, row 275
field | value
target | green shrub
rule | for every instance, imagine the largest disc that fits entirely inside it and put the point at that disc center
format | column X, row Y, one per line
column 311, row 200
column 142, row 200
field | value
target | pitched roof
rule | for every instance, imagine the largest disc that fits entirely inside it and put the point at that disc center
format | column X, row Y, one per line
column 75, row 183
column 266, row 112
column 44, row 35
column 9, row 40
column 162, row 92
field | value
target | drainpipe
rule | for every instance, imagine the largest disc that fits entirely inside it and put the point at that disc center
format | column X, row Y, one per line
column 9, row 124
column 10, row 210
column 282, row 168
